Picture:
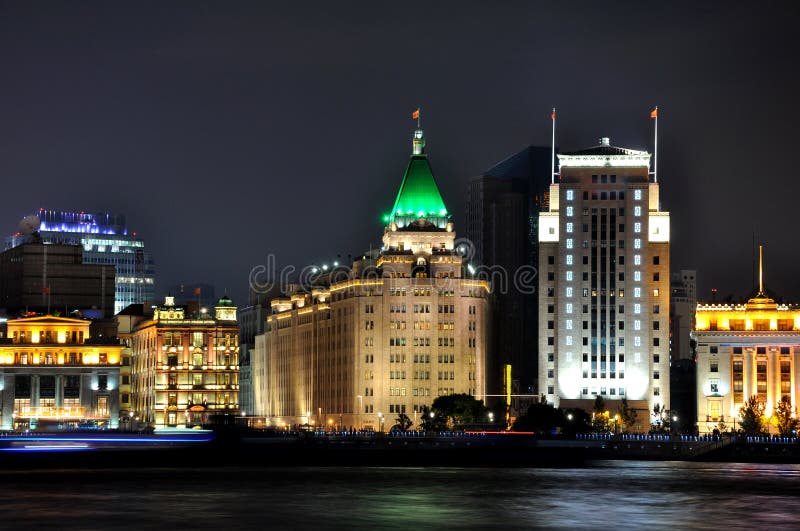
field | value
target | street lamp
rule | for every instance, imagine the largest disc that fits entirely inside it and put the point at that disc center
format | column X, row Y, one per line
column 380, row 421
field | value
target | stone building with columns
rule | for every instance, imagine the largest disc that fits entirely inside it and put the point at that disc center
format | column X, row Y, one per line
column 52, row 373
column 745, row 350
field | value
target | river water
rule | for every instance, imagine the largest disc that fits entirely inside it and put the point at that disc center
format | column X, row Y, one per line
column 611, row 495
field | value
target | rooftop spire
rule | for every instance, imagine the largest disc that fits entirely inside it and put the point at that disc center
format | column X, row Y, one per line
column 760, row 300
column 418, row 143
column 419, row 196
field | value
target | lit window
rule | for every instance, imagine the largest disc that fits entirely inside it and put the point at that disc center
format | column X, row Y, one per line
column 637, row 325
column 569, row 292
column 569, row 259
column 570, row 195
column 569, row 228
column 569, row 340
column 569, row 243
column 637, row 195
column 569, row 307
column 569, row 324
column 637, row 227
column 637, row 276
column 637, row 292
column 637, row 308
column 637, row 243
column 637, row 259
column 637, row 342
column 569, row 276
column 655, row 292
column 569, row 211
column 637, row 211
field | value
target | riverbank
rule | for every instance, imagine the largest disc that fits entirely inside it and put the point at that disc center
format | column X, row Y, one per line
column 243, row 448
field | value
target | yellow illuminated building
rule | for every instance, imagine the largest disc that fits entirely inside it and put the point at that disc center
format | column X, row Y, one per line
column 745, row 350
column 52, row 371
column 383, row 336
column 184, row 369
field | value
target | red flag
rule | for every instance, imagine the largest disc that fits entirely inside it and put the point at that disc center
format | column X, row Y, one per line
column 197, row 291
column 553, row 115
column 654, row 113
column 46, row 290
column 415, row 115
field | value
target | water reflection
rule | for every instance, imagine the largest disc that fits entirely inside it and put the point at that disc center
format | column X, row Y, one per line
column 609, row 494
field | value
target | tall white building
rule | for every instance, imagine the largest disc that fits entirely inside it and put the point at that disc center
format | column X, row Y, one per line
column 604, row 283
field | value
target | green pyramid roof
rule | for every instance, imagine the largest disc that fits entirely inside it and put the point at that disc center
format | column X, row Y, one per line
column 418, row 196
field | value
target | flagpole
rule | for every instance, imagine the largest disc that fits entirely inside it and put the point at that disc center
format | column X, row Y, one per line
column 553, row 150
column 655, row 158
column 419, row 117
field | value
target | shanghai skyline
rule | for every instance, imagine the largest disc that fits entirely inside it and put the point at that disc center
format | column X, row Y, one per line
column 197, row 123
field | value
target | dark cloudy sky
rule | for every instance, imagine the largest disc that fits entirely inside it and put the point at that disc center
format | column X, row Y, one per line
column 229, row 130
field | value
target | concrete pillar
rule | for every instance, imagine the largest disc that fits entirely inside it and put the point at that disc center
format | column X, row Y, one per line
column 87, row 394
column 773, row 378
column 7, row 418
column 747, row 376
column 35, row 390
column 59, row 390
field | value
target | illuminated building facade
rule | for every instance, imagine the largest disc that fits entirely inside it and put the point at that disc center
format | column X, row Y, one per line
column 53, row 372
column 185, row 369
column 604, row 283
column 105, row 240
column 745, row 350
column 385, row 336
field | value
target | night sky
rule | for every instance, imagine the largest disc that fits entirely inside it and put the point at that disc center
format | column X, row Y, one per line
column 229, row 130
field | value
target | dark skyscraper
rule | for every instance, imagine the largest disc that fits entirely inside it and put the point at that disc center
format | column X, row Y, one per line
column 501, row 223
column 42, row 278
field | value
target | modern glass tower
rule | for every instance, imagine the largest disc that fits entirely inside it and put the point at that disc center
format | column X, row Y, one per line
column 105, row 240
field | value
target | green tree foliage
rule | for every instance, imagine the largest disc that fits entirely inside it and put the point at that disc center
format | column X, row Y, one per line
column 627, row 416
column 459, row 411
column 600, row 419
column 599, row 405
column 429, row 421
column 540, row 418
column 660, row 415
column 751, row 416
column 403, row 422
column 784, row 417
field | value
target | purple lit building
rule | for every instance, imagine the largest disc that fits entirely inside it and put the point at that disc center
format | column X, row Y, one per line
column 105, row 240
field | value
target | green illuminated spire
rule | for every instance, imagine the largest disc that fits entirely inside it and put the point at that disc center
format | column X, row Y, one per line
column 419, row 196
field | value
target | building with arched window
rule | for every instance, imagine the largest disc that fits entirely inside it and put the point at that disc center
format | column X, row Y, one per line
column 185, row 368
